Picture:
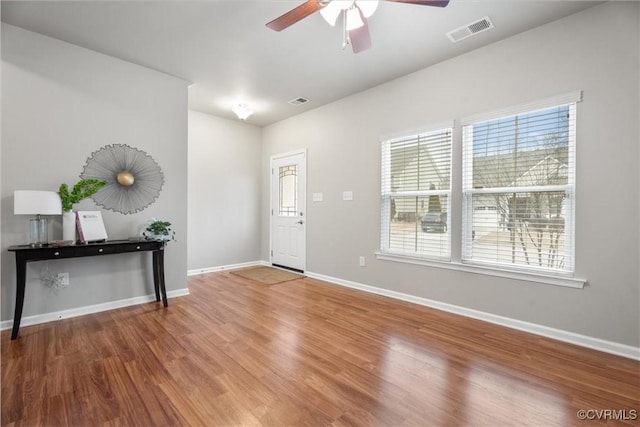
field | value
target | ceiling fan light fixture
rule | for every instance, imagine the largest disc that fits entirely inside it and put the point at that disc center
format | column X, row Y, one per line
column 332, row 10
column 368, row 7
column 355, row 30
column 343, row 4
column 353, row 19
column 242, row 111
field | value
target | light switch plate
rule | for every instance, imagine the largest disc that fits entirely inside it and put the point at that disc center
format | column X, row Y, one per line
column 347, row 195
column 318, row 197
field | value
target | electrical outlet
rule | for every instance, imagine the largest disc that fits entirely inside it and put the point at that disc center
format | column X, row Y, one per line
column 63, row 278
column 362, row 263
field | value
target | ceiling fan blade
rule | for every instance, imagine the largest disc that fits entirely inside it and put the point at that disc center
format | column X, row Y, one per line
column 360, row 37
column 436, row 3
column 295, row 15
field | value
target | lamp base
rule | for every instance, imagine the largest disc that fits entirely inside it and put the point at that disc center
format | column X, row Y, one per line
column 38, row 232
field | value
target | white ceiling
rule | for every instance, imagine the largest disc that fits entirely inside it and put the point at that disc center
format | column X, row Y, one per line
column 225, row 50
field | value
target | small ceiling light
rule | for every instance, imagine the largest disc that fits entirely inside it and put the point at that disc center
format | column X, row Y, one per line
column 354, row 20
column 242, row 111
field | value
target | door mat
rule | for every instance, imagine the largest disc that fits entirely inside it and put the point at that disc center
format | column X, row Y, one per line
column 267, row 275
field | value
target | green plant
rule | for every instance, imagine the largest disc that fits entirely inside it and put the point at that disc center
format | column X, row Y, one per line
column 83, row 189
column 160, row 228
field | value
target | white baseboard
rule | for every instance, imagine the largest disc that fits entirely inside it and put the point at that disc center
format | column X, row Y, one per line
column 90, row 309
column 226, row 267
column 545, row 331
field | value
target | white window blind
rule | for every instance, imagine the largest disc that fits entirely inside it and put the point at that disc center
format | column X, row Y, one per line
column 416, row 190
column 518, row 189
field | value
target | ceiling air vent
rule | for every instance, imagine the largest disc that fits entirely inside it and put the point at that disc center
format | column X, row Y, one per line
column 298, row 101
column 470, row 29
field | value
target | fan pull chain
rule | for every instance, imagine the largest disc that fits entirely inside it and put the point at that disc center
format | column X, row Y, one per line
column 346, row 40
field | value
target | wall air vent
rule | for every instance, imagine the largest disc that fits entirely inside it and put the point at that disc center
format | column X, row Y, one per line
column 471, row 29
column 298, row 101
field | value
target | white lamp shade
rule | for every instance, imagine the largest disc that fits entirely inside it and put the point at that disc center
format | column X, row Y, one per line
column 27, row 202
column 367, row 7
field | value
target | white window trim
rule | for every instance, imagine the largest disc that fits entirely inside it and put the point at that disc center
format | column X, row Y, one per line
column 399, row 136
column 514, row 110
column 548, row 279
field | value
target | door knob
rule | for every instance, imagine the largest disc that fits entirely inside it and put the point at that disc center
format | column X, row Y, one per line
column 300, row 222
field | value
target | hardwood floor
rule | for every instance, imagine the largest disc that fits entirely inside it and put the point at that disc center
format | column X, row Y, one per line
column 302, row 353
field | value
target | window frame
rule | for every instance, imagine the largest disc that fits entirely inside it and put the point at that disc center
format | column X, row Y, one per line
column 456, row 200
column 467, row 191
column 387, row 193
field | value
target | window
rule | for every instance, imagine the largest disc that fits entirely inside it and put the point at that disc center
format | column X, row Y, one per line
column 416, row 190
column 516, row 190
column 288, row 182
column 518, row 185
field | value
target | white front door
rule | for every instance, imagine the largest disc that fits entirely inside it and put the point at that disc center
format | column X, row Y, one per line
column 288, row 209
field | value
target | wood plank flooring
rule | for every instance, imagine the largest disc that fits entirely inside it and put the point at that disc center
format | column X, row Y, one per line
column 302, row 353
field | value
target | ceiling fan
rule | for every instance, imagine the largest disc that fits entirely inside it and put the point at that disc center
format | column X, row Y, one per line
column 355, row 14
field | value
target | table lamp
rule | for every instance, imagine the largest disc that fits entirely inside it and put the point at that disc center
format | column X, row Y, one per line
column 26, row 202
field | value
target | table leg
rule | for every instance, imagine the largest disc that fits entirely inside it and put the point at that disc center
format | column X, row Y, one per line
column 158, row 276
column 163, row 288
column 156, row 280
column 21, row 277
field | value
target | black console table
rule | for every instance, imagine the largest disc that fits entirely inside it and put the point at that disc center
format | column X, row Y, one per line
column 26, row 253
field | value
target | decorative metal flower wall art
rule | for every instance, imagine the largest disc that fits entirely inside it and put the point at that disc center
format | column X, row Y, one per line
column 134, row 179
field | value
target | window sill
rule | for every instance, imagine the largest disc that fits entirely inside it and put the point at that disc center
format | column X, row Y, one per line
column 569, row 282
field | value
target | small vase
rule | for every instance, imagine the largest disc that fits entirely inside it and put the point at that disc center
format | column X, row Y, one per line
column 69, row 226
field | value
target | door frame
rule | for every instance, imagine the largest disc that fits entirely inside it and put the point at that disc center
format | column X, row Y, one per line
column 303, row 203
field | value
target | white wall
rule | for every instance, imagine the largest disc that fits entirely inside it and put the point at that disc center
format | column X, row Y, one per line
column 224, row 192
column 60, row 103
column 596, row 51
